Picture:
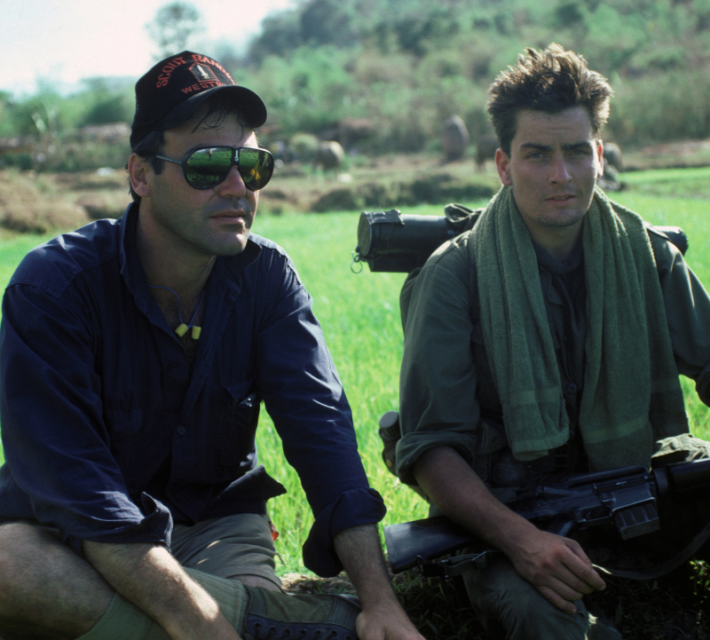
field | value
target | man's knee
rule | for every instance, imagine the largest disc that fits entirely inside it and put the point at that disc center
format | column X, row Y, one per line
column 502, row 600
column 21, row 546
column 257, row 581
column 238, row 547
column 44, row 585
column 535, row 617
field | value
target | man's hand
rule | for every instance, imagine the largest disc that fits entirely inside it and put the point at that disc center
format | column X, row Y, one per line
column 382, row 616
column 388, row 622
column 557, row 567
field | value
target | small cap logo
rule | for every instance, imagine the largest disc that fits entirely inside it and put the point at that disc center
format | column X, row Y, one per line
column 202, row 72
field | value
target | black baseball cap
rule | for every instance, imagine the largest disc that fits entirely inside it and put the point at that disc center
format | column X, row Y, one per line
column 171, row 91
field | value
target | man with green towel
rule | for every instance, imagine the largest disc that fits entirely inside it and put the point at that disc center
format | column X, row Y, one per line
column 548, row 339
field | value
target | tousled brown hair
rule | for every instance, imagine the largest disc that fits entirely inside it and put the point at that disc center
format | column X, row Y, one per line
column 550, row 81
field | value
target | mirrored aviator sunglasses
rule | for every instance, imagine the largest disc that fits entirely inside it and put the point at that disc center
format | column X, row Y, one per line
column 206, row 167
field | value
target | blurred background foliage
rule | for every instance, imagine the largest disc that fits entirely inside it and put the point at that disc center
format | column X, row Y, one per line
column 407, row 65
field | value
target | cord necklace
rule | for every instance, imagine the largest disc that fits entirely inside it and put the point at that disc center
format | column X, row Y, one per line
column 183, row 328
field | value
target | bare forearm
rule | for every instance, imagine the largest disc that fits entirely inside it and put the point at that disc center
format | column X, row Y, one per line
column 556, row 566
column 382, row 618
column 457, row 490
column 153, row 580
column 360, row 552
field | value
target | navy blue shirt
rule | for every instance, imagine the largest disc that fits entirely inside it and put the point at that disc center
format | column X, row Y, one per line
column 110, row 437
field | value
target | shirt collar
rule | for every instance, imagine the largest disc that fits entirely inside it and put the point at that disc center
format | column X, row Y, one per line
column 131, row 267
column 560, row 267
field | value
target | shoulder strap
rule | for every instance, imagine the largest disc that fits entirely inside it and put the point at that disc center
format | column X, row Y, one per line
column 674, row 235
column 462, row 219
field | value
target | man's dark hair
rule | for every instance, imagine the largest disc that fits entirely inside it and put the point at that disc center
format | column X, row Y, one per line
column 213, row 113
column 147, row 148
column 550, row 81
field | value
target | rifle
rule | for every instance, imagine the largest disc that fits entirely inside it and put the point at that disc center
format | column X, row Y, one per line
column 626, row 498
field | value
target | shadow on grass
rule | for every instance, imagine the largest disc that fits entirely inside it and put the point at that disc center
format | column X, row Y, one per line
column 675, row 607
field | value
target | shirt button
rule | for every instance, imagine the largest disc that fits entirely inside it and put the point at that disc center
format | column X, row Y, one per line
column 571, row 388
column 173, row 366
column 181, row 431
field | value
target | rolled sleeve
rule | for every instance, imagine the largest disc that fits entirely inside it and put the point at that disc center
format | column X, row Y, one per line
column 438, row 381
column 350, row 509
column 305, row 398
column 155, row 528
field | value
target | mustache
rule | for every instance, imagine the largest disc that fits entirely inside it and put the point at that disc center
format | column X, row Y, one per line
column 232, row 205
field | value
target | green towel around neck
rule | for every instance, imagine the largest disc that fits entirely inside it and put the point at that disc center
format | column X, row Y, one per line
column 631, row 395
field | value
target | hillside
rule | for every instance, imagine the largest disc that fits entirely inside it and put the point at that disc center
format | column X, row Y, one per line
column 382, row 76
column 408, row 65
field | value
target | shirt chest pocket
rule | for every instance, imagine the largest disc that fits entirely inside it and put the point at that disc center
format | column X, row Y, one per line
column 239, row 417
column 123, row 422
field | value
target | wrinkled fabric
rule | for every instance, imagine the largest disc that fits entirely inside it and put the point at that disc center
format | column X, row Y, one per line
column 447, row 394
column 102, row 414
column 630, row 377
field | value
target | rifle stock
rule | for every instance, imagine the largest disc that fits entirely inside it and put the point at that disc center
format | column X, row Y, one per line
column 626, row 498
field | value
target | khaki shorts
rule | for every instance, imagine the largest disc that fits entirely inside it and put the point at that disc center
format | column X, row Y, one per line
column 229, row 547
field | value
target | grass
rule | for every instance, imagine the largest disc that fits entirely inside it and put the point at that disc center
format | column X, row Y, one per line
column 671, row 183
column 360, row 318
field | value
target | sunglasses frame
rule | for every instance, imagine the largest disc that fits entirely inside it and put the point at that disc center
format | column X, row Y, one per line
column 234, row 162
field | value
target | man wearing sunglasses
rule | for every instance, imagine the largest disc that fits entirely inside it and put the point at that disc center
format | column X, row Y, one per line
column 135, row 355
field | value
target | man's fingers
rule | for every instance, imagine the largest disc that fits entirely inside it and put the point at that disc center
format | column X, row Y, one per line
column 583, row 575
column 392, row 626
column 557, row 600
column 570, row 578
column 559, row 569
column 593, row 579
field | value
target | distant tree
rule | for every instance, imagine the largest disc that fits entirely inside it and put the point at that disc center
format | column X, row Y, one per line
column 280, row 35
column 6, row 106
column 109, row 109
column 105, row 100
column 37, row 115
column 325, row 22
column 173, row 26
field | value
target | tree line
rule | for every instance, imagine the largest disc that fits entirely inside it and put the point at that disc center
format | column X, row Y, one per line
column 408, row 65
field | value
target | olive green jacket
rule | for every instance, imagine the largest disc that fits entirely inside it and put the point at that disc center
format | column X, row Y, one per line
column 447, row 395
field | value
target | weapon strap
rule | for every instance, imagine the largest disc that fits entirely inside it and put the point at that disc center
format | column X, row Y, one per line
column 666, row 567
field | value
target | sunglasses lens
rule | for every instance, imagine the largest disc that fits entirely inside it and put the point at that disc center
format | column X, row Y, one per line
column 255, row 167
column 207, row 167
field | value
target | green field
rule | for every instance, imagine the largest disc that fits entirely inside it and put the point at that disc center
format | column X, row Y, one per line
column 360, row 316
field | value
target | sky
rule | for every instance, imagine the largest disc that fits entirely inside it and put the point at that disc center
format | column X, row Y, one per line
column 62, row 41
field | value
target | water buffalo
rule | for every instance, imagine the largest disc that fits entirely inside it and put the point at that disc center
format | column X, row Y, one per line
column 455, row 139
column 612, row 154
column 486, row 147
column 329, row 155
